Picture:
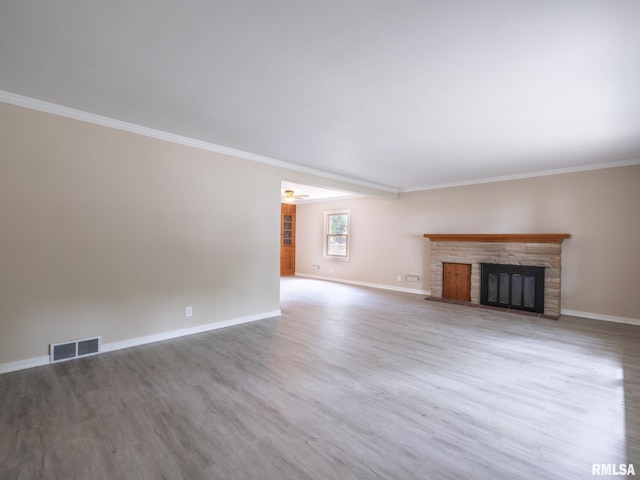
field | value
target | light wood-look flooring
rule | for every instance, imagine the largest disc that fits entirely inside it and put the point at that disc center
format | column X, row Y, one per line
column 350, row 383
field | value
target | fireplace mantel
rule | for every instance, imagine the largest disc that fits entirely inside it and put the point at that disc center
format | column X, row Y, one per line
column 498, row 237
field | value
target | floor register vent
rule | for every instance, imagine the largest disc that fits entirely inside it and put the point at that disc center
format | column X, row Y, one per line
column 60, row 352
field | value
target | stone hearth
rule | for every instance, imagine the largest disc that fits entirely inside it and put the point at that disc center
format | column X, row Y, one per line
column 542, row 250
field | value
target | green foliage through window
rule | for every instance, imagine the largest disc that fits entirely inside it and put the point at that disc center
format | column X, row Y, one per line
column 338, row 224
column 337, row 235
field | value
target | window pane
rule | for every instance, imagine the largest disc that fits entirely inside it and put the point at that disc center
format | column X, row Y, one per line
column 337, row 245
column 493, row 288
column 336, row 241
column 530, row 292
column 338, row 224
column 516, row 289
column 504, row 289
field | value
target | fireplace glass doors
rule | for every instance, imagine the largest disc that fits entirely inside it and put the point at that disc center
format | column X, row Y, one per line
column 518, row 287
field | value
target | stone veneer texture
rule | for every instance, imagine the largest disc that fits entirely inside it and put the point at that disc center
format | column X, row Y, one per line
column 474, row 253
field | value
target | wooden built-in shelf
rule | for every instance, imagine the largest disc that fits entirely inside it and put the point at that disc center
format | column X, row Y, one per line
column 498, row 237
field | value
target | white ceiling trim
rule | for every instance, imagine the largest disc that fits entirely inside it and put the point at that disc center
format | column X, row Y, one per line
column 39, row 105
column 541, row 173
column 34, row 104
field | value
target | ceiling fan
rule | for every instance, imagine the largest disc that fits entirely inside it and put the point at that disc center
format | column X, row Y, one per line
column 290, row 196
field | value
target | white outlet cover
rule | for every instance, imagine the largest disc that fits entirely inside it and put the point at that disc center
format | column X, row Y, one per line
column 189, row 311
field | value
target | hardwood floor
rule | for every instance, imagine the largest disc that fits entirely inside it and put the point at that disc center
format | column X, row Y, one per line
column 350, row 383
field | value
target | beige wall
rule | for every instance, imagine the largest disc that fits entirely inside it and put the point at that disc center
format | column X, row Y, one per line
column 601, row 263
column 104, row 232
column 109, row 233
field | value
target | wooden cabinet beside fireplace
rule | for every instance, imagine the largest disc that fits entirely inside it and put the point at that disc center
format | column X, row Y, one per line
column 287, row 239
column 456, row 281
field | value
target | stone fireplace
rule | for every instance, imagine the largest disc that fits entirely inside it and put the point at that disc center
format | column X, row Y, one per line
column 513, row 250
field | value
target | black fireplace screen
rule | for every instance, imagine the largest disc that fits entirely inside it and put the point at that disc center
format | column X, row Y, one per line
column 519, row 287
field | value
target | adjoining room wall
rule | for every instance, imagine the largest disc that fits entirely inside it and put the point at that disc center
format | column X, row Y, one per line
column 109, row 233
column 601, row 262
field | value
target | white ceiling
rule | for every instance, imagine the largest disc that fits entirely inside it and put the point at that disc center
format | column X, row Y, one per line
column 404, row 94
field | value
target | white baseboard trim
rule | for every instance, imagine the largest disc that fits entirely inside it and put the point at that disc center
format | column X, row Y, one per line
column 134, row 342
column 598, row 316
column 24, row 364
column 159, row 337
column 365, row 284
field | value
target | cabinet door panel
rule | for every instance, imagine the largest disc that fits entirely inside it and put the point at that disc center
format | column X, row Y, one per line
column 456, row 281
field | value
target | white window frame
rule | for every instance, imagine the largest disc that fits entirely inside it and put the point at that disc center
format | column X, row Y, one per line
column 325, row 234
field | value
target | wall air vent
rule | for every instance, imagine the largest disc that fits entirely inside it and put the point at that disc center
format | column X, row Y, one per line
column 59, row 352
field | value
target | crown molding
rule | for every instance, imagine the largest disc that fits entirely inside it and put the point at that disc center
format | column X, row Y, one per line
column 541, row 173
column 54, row 109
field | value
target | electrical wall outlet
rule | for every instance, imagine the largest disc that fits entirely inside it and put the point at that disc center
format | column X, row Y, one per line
column 189, row 311
column 399, row 278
